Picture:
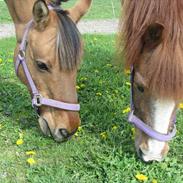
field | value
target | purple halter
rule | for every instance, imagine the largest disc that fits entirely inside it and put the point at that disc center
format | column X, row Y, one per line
column 37, row 99
column 132, row 118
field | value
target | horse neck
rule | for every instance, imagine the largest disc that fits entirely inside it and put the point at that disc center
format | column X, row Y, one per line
column 21, row 13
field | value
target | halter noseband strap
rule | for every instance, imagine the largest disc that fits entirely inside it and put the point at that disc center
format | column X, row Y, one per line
column 37, row 99
column 133, row 119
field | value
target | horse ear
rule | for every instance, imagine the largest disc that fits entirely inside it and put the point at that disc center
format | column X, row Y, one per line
column 40, row 14
column 79, row 9
column 153, row 36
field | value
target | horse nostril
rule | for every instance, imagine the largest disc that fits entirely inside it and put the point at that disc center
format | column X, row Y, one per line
column 64, row 133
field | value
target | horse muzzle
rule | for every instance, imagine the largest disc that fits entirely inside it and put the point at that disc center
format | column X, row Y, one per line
column 59, row 135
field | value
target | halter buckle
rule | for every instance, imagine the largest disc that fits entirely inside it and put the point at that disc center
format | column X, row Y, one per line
column 21, row 54
column 36, row 101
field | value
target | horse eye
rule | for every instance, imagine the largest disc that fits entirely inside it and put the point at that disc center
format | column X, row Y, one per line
column 42, row 66
column 140, row 88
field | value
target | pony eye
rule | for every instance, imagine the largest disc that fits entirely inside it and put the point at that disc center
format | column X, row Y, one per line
column 42, row 66
column 140, row 88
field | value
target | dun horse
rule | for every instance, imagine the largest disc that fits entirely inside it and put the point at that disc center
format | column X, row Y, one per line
column 152, row 35
column 47, row 55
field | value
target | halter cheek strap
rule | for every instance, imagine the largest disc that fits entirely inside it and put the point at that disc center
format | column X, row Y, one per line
column 133, row 119
column 37, row 99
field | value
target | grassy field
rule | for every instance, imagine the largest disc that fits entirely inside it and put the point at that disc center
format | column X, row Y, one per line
column 89, row 157
column 4, row 14
column 101, row 9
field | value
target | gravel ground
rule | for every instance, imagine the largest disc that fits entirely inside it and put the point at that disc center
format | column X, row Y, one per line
column 90, row 27
column 98, row 26
column 6, row 30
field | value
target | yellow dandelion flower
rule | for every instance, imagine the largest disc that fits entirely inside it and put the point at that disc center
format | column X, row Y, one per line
column 128, row 83
column 1, row 60
column 127, row 71
column 78, row 87
column 109, row 65
column 1, row 126
column 103, row 135
column 30, row 153
column 99, row 94
column 181, row 105
column 154, row 181
column 78, row 131
column 114, row 127
column 31, row 161
column 82, row 86
column 141, row 177
column 127, row 110
column 19, row 142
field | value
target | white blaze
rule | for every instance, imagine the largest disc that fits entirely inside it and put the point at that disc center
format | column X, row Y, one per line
column 162, row 113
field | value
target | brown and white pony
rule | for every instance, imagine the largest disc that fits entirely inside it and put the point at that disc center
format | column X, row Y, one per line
column 151, row 33
column 53, row 55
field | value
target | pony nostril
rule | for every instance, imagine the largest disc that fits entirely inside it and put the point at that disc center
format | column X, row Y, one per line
column 64, row 133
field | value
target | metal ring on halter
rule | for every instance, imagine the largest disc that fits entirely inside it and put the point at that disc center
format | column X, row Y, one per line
column 36, row 101
column 21, row 54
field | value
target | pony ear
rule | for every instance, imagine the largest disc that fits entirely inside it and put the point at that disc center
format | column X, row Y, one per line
column 40, row 14
column 153, row 36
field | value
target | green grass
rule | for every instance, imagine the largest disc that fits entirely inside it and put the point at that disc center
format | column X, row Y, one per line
column 101, row 9
column 86, row 158
column 4, row 14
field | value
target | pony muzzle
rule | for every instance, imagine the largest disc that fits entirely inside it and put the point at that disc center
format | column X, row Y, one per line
column 149, row 158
